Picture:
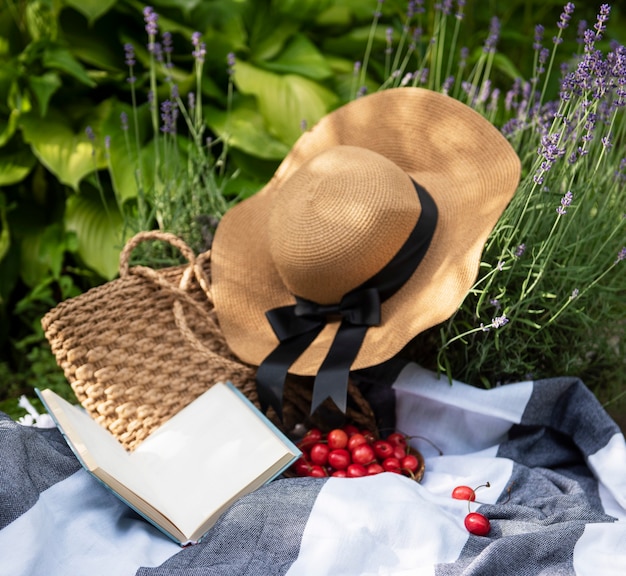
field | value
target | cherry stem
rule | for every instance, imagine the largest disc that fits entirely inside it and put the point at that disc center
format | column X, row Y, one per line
column 485, row 485
column 421, row 438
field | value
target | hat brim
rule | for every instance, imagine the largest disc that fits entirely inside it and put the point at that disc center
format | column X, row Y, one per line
column 462, row 160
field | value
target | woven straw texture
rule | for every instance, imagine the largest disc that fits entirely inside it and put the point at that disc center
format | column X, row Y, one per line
column 138, row 349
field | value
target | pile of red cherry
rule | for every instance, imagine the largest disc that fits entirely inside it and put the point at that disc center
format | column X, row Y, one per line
column 350, row 453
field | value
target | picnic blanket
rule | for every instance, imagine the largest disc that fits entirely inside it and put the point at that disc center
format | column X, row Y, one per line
column 555, row 462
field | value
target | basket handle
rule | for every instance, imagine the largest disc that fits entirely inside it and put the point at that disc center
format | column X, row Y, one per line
column 195, row 268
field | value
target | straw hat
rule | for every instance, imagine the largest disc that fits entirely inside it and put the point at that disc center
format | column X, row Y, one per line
column 384, row 208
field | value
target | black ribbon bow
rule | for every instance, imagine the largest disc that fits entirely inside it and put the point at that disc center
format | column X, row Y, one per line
column 296, row 326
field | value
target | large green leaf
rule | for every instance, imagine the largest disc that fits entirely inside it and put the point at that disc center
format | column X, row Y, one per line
column 244, row 128
column 60, row 58
column 99, row 230
column 43, row 252
column 300, row 56
column 15, row 166
column 91, row 9
column 286, row 101
column 70, row 156
column 43, row 88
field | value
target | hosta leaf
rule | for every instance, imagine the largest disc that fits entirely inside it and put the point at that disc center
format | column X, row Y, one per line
column 15, row 166
column 43, row 88
column 300, row 56
column 61, row 58
column 286, row 101
column 91, row 9
column 67, row 154
column 99, row 230
column 244, row 128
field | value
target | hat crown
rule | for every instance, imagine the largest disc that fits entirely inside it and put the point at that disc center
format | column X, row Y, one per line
column 339, row 220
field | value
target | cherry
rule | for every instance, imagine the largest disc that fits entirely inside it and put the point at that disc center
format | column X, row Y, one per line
column 317, row 471
column 464, row 493
column 356, row 471
column 339, row 474
column 392, row 464
column 383, row 449
column 363, row 454
column 302, row 466
column 356, row 440
column 313, row 436
column 397, row 439
column 374, row 468
column 399, row 452
column 339, row 459
column 467, row 493
column 478, row 524
column 337, row 439
column 410, row 463
column 319, row 454
column 350, row 429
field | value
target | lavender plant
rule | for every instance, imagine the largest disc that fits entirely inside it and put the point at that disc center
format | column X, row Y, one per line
column 180, row 175
column 550, row 298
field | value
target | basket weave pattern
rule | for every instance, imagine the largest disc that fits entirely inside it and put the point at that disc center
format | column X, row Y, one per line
column 138, row 349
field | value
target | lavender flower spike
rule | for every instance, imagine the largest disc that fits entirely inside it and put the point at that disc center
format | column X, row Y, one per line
column 499, row 321
column 621, row 255
column 566, row 16
column 494, row 35
column 565, row 202
column 150, row 18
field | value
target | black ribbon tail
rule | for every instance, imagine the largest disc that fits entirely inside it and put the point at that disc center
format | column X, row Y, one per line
column 272, row 372
column 332, row 378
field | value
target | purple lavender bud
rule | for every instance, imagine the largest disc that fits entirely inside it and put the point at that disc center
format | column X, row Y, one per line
column 603, row 16
column 460, row 6
column 538, row 37
column 357, row 67
column 565, row 202
column 446, row 7
column 519, row 252
column 199, row 51
column 494, row 35
column 463, row 54
column 231, row 60
column 499, row 321
column 621, row 255
column 303, row 125
column 447, row 85
column 90, row 134
column 169, row 115
column 166, row 37
column 129, row 52
column 566, row 16
column 124, row 121
column 378, row 12
column 107, row 142
column 191, row 100
column 575, row 293
column 151, row 19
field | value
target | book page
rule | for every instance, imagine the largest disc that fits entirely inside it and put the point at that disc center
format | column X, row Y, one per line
column 95, row 446
column 207, row 454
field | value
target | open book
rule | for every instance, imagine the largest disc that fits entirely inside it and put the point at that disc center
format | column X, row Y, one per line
column 192, row 468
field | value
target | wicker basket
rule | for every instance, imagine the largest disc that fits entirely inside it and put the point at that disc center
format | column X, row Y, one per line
column 138, row 349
